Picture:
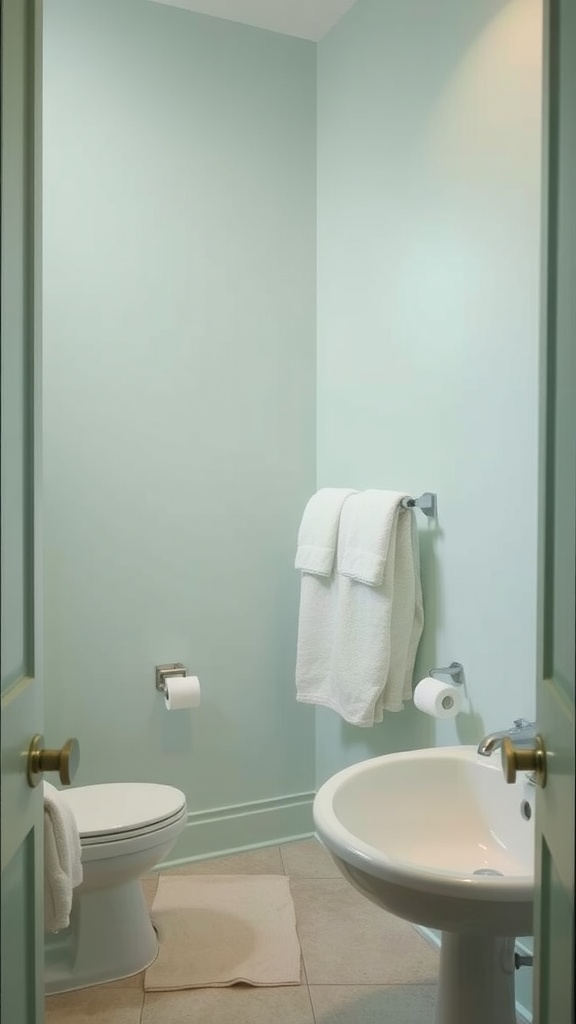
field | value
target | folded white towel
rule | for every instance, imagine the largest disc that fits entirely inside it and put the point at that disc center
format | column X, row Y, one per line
column 357, row 655
column 317, row 540
column 62, row 859
column 367, row 535
column 318, row 533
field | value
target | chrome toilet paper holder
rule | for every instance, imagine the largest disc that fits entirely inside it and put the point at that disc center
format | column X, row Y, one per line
column 164, row 672
column 454, row 669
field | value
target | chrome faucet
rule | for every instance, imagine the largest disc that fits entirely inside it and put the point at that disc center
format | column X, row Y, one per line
column 522, row 730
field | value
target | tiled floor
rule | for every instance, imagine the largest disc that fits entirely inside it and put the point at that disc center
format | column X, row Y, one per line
column 360, row 965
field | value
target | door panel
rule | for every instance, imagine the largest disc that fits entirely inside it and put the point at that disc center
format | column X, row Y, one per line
column 22, row 995
column 554, row 925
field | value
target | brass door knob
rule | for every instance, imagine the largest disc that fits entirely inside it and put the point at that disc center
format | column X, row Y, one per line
column 524, row 759
column 64, row 761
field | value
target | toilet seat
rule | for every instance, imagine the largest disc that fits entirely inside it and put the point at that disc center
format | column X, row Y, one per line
column 112, row 812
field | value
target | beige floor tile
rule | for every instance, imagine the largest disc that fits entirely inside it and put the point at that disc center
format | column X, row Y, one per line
column 265, row 861
column 100, row 1005
column 239, row 1004
column 346, row 940
column 373, row 1004
column 308, row 859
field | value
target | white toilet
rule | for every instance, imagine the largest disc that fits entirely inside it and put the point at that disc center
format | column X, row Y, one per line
column 125, row 830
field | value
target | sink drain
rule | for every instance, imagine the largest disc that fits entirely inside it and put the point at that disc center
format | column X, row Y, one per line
column 486, row 871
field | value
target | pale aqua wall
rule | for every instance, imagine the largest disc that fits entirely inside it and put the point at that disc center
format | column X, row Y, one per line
column 179, row 338
column 428, row 257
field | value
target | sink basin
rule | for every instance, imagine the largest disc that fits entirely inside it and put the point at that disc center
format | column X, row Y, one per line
column 437, row 837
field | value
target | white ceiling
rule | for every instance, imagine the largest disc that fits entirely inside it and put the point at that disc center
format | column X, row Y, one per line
column 308, row 19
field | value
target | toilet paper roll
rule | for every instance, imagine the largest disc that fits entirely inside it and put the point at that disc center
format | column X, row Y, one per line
column 182, row 692
column 441, row 700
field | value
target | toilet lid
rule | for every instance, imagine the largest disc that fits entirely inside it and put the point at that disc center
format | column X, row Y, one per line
column 118, row 807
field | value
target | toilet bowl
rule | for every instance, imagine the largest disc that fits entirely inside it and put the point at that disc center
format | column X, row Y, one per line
column 125, row 830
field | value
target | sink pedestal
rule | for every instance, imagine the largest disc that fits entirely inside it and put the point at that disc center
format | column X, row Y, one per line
column 476, row 981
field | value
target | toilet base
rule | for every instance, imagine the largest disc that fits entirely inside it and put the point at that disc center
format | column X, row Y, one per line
column 476, row 981
column 110, row 937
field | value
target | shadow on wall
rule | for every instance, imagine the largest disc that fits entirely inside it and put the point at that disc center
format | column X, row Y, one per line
column 469, row 724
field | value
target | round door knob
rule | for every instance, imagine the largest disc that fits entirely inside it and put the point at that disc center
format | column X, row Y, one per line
column 64, row 761
column 524, row 759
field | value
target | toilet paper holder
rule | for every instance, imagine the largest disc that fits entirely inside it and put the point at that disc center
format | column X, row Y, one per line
column 164, row 672
column 454, row 669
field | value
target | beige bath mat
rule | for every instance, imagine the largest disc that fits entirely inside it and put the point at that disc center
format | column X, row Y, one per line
column 216, row 930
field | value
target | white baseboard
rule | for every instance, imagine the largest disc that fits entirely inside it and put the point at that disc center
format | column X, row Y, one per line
column 223, row 830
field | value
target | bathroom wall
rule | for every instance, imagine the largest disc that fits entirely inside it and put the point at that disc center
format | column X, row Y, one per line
column 180, row 377
column 179, row 340
column 428, row 275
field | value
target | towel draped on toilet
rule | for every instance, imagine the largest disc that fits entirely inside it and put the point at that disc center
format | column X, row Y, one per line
column 62, row 859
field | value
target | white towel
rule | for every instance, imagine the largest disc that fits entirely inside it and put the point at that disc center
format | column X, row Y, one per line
column 316, row 631
column 318, row 533
column 62, row 859
column 359, row 660
column 317, row 541
column 368, row 535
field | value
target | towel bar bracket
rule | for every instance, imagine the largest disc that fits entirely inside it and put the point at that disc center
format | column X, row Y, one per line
column 164, row 672
column 427, row 503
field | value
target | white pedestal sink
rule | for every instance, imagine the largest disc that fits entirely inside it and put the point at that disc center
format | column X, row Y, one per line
column 437, row 837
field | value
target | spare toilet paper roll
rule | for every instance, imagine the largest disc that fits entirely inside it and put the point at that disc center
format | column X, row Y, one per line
column 441, row 700
column 182, row 692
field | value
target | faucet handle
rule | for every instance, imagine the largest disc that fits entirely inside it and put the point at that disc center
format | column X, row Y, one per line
column 522, row 723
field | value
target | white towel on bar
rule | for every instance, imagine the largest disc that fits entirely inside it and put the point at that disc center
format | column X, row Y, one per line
column 368, row 534
column 317, row 541
column 318, row 533
column 62, row 859
column 360, row 662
